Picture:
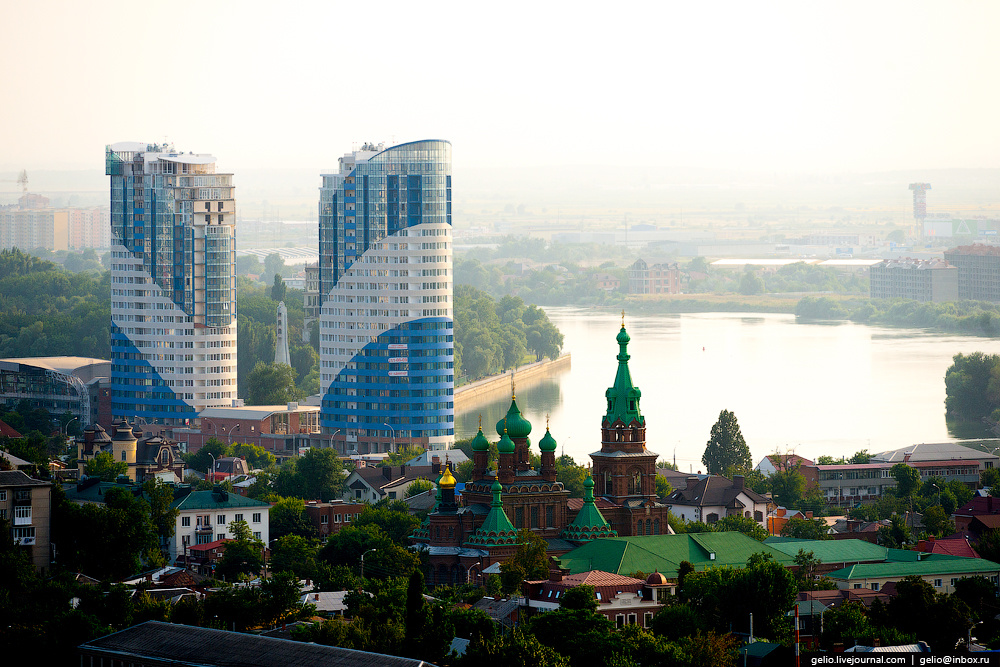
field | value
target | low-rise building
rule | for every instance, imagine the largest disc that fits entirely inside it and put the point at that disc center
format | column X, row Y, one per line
column 390, row 482
column 715, row 497
column 644, row 278
column 851, row 483
column 205, row 516
column 148, row 457
column 622, row 600
column 939, row 570
column 26, row 504
column 979, row 506
column 329, row 518
column 938, row 451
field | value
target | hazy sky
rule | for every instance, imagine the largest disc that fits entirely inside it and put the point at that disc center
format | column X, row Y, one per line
column 813, row 86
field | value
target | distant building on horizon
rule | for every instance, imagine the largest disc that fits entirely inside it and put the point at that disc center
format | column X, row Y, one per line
column 978, row 271
column 385, row 283
column 918, row 279
column 173, row 283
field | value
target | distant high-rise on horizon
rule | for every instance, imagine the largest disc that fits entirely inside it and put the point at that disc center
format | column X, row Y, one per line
column 173, row 283
column 385, row 284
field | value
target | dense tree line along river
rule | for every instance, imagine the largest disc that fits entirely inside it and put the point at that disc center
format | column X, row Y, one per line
column 815, row 387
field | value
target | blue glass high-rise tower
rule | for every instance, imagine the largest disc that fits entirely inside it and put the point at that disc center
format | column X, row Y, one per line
column 173, row 283
column 385, row 279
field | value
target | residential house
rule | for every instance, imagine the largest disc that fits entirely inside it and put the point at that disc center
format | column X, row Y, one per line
column 147, row 456
column 205, row 516
column 228, row 467
column 715, row 497
column 851, row 483
column 374, row 484
column 978, row 506
column 939, row 570
column 622, row 600
column 780, row 462
column 329, row 518
column 26, row 504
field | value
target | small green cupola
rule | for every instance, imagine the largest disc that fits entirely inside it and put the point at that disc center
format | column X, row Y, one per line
column 623, row 397
column 480, row 443
column 506, row 445
column 516, row 425
column 547, row 443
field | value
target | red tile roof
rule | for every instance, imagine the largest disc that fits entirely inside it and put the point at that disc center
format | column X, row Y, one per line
column 208, row 546
column 953, row 547
column 7, row 430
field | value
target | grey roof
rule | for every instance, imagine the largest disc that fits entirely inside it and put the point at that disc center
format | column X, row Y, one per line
column 712, row 491
column 18, row 478
column 188, row 645
column 933, row 451
column 454, row 456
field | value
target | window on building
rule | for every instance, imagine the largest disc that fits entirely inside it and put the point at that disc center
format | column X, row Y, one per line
column 325, row 518
column 208, row 206
column 186, row 521
column 22, row 515
column 937, row 583
column 712, row 518
column 550, row 516
column 534, row 516
column 953, row 582
column 392, row 495
column 649, row 527
column 336, row 518
column 656, row 526
column 638, row 527
column 239, row 517
column 221, row 519
column 357, row 493
column 519, row 517
column 256, row 517
column 220, row 536
column 632, row 619
column 857, row 585
column 257, row 535
column 620, row 620
column 3, row 496
column 22, row 494
column 123, row 455
column 647, row 618
column 874, row 586
column 758, row 517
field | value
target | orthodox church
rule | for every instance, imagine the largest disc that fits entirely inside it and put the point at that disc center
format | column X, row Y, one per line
column 619, row 497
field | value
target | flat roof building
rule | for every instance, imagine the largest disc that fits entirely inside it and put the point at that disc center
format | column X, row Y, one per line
column 917, row 279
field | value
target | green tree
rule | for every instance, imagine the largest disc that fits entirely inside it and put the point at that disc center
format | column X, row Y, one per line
column 741, row 524
column 244, row 554
column 288, row 517
column 751, row 283
column 528, row 562
column 295, row 554
column 861, row 457
column 663, row 488
column 387, row 560
column 320, row 474
column 516, row 649
column 202, row 459
column 103, row 465
column 806, row 529
column 936, row 522
column 807, row 563
column 418, row 486
column 967, row 382
column 393, row 518
column 271, row 384
column 278, row 289
column 581, row 597
column 726, row 446
column 160, row 498
column 907, row 479
column 896, row 534
column 788, row 487
column 257, row 457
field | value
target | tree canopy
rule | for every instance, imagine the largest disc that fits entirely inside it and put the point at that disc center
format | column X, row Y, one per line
column 726, row 446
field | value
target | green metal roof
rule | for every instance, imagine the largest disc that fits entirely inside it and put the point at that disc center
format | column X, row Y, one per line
column 623, row 397
column 209, row 500
column 664, row 553
column 589, row 523
column 496, row 528
column 922, row 568
column 830, row 551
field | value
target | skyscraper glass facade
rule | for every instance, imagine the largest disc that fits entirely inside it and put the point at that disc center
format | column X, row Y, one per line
column 173, row 291
column 385, row 276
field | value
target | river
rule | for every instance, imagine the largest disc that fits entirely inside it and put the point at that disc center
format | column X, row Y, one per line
column 808, row 387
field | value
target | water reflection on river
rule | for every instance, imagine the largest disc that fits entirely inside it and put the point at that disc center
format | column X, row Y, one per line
column 820, row 388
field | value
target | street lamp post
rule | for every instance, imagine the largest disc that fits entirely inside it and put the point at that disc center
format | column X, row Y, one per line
column 212, row 472
column 393, row 432
column 363, row 561
column 229, row 436
column 66, row 425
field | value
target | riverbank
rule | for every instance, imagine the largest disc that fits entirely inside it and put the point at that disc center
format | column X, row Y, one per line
column 488, row 389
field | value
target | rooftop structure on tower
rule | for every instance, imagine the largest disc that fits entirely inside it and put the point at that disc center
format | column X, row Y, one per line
column 920, row 204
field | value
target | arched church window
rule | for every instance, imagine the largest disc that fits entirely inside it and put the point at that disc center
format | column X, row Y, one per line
column 656, row 526
column 123, row 455
column 638, row 527
column 607, row 483
column 631, row 405
column 611, row 404
column 649, row 527
column 635, row 483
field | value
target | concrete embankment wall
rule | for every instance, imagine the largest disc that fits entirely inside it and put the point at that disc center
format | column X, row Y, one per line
column 489, row 389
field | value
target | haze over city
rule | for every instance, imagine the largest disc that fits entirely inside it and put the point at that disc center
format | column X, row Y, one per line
column 650, row 96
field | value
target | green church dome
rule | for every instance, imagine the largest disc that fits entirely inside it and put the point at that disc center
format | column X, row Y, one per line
column 506, row 445
column 547, row 443
column 516, row 425
column 480, row 443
